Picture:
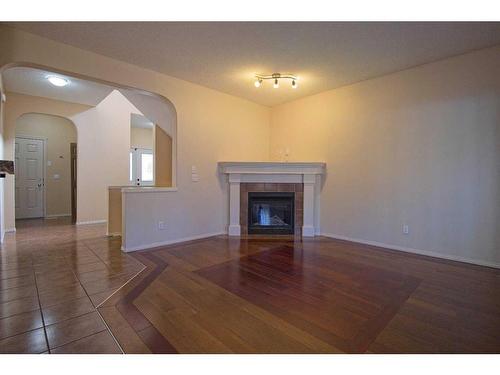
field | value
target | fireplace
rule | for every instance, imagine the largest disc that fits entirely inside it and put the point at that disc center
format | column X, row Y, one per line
column 271, row 212
column 271, row 208
column 302, row 179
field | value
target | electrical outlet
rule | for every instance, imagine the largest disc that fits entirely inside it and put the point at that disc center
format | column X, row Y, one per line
column 161, row 225
column 406, row 229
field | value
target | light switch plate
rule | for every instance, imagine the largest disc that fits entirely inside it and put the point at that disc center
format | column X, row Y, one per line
column 194, row 174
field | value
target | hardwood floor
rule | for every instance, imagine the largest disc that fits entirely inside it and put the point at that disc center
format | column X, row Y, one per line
column 338, row 301
column 67, row 289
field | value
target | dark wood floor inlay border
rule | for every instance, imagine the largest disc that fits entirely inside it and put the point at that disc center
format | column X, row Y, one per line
column 148, row 333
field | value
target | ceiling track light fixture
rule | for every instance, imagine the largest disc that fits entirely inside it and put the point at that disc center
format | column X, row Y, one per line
column 276, row 77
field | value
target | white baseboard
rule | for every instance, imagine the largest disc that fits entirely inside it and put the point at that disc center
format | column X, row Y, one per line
column 308, row 231
column 234, row 230
column 91, row 222
column 415, row 251
column 5, row 231
column 56, row 215
column 171, row 242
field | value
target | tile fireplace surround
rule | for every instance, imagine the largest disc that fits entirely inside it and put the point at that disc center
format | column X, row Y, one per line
column 303, row 178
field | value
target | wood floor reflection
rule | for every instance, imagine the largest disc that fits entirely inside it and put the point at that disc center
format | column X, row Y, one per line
column 71, row 290
column 224, row 295
column 338, row 301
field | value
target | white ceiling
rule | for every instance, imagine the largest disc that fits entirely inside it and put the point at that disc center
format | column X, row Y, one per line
column 225, row 56
column 138, row 121
column 30, row 81
column 34, row 82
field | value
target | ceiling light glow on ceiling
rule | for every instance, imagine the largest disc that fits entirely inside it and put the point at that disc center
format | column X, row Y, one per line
column 58, row 81
column 276, row 77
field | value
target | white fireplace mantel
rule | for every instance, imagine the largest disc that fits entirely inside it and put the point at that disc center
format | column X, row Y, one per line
column 306, row 173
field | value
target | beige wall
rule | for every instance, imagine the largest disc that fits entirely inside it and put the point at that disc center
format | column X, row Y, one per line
column 58, row 132
column 163, row 157
column 420, row 147
column 162, row 113
column 114, row 211
column 141, row 138
column 211, row 126
column 15, row 107
column 103, row 148
column 103, row 154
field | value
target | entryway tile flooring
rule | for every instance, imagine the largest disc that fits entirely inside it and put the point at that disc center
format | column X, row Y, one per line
column 53, row 276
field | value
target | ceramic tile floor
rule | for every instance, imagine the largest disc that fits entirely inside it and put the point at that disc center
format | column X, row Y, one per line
column 53, row 276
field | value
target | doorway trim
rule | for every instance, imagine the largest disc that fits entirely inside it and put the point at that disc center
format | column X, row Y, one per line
column 74, row 179
column 44, row 170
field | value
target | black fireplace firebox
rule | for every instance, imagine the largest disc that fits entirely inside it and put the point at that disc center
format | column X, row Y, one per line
column 271, row 213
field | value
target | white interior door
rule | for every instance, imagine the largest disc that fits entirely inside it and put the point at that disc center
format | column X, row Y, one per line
column 141, row 167
column 29, row 178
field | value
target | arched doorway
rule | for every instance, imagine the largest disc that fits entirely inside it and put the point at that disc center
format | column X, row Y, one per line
column 155, row 107
column 45, row 159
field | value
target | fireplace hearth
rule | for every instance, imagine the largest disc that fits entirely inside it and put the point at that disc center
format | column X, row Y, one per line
column 271, row 212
